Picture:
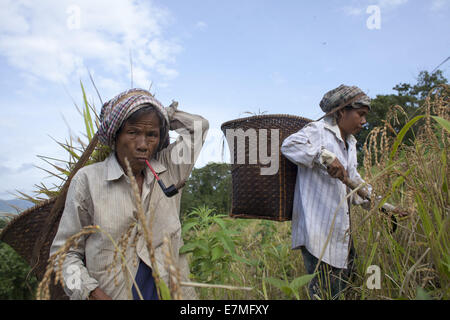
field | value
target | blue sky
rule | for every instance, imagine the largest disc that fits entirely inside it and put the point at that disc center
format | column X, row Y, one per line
column 216, row 58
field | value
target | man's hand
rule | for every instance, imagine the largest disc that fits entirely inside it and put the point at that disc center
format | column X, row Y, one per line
column 401, row 212
column 99, row 294
column 336, row 170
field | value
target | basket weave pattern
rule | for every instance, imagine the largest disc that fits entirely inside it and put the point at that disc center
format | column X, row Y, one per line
column 32, row 232
column 257, row 196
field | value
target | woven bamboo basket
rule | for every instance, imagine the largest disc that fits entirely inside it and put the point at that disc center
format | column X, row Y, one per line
column 31, row 233
column 257, row 196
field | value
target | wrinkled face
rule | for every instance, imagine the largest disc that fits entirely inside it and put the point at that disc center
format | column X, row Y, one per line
column 138, row 141
column 352, row 120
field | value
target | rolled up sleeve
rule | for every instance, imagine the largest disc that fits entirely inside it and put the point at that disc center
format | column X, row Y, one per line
column 180, row 156
column 304, row 147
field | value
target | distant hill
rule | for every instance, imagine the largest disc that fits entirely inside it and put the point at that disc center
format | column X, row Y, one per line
column 5, row 205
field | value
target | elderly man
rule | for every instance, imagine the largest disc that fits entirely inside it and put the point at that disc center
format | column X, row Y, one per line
column 135, row 125
column 325, row 152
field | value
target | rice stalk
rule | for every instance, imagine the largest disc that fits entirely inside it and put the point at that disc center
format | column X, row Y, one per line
column 162, row 289
column 55, row 262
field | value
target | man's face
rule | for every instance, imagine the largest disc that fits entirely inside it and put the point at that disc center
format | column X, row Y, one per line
column 352, row 120
column 138, row 141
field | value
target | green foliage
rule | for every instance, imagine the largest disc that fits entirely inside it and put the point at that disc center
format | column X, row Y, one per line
column 15, row 281
column 211, row 242
column 418, row 92
column 409, row 97
column 208, row 186
column 74, row 150
column 414, row 260
column 291, row 289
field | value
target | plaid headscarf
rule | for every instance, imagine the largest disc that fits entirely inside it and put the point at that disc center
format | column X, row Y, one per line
column 117, row 110
column 333, row 98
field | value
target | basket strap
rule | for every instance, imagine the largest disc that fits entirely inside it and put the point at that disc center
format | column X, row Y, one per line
column 55, row 213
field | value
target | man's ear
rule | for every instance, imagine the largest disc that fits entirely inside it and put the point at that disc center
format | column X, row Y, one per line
column 339, row 115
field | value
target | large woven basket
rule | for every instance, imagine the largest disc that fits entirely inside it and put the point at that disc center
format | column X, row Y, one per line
column 32, row 232
column 258, row 196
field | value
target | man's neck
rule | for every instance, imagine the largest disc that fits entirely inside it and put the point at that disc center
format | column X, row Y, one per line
column 344, row 136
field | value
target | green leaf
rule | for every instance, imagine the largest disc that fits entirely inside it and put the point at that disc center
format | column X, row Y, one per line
column 276, row 282
column 164, row 290
column 227, row 242
column 301, row 281
column 443, row 122
column 189, row 247
column 188, row 226
column 220, row 222
column 422, row 294
column 244, row 260
column 202, row 245
column 401, row 135
column 217, row 252
column 288, row 291
column 87, row 115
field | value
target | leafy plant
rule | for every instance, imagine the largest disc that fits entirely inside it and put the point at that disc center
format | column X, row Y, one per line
column 212, row 245
column 16, row 282
column 290, row 289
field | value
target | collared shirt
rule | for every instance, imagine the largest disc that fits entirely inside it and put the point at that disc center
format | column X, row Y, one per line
column 101, row 194
column 318, row 198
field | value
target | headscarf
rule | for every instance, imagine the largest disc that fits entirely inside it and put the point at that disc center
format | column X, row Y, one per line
column 117, row 110
column 338, row 96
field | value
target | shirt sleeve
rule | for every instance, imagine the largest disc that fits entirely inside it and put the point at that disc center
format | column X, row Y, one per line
column 77, row 282
column 180, row 156
column 305, row 146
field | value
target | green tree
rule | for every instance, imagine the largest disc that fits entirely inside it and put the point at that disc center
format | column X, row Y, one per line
column 208, row 186
column 16, row 282
column 409, row 97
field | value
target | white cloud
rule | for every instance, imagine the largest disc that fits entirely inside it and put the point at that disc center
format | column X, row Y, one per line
column 352, row 11
column 437, row 5
column 56, row 40
column 391, row 4
column 201, row 25
column 360, row 9
column 163, row 50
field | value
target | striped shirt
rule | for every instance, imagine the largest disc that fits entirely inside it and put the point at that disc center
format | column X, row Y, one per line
column 101, row 194
column 318, row 195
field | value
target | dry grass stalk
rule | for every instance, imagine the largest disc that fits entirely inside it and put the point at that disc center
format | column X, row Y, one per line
column 217, row 286
column 121, row 249
column 173, row 271
column 147, row 229
column 55, row 262
column 412, row 256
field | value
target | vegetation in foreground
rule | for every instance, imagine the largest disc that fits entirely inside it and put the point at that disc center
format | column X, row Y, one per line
column 405, row 160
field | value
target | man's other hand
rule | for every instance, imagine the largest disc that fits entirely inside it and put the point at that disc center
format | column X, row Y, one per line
column 336, row 170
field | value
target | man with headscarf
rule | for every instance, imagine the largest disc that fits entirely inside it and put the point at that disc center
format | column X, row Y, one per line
column 325, row 152
column 135, row 126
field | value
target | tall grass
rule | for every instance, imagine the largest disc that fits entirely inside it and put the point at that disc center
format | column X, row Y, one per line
column 414, row 260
